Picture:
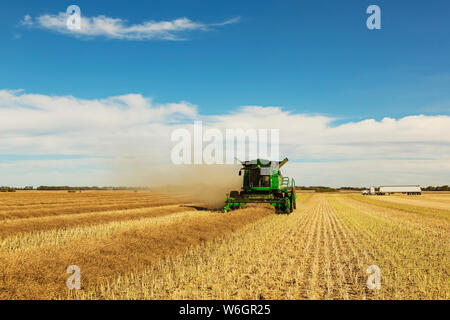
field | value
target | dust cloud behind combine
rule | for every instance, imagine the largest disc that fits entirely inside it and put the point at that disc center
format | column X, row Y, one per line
column 205, row 184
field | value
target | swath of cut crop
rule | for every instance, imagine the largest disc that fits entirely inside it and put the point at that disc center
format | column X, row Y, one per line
column 51, row 205
column 39, row 273
column 13, row 227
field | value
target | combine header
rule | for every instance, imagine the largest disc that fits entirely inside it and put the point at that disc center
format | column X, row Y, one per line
column 263, row 183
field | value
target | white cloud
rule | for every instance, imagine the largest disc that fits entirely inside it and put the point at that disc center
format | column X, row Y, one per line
column 115, row 131
column 117, row 28
column 27, row 20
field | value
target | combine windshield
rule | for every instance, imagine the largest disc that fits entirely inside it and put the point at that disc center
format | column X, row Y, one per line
column 258, row 180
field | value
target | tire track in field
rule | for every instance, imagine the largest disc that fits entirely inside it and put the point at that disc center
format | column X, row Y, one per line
column 314, row 266
column 323, row 259
column 314, row 271
column 366, row 240
column 325, row 231
column 305, row 269
column 343, row 269
column 303, row 241
column 327, row 277
column 355, row 263
column 385, row 259
column 334, row 272
column 338, row 282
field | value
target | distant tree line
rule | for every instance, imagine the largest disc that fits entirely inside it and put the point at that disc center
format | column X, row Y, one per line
column 317, row 188
column 69, row 188
column 7, row 189
column 441, row 188
column 313, row 188
column 57, row 188
column 328, row 189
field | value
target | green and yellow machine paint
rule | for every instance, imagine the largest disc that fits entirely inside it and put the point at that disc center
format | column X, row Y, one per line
column 263, row 183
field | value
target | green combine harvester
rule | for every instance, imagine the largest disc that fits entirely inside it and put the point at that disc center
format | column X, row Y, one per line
column 263, row 183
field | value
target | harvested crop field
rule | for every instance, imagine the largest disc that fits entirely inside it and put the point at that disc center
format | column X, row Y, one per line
column 145, row 245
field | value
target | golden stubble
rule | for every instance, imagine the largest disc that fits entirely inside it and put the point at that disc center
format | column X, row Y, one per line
column 163, row 248
column 35, row 267
column 321, row 251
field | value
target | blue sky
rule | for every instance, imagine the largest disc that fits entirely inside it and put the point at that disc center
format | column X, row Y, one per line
column 308, row 56
column 314, row 58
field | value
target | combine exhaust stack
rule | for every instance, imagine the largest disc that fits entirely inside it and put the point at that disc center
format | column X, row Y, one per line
column 263, row 183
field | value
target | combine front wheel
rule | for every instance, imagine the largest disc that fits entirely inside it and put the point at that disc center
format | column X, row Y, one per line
column 287, row 205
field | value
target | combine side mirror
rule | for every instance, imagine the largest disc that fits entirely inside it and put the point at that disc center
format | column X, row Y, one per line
column 240, row 172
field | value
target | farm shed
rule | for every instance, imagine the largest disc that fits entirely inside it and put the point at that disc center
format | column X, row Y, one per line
column 410, row 190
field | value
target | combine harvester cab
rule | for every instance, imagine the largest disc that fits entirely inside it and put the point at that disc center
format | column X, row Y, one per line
column 263, row 183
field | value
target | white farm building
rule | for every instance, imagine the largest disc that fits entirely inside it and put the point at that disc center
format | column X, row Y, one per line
column 410, row 190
